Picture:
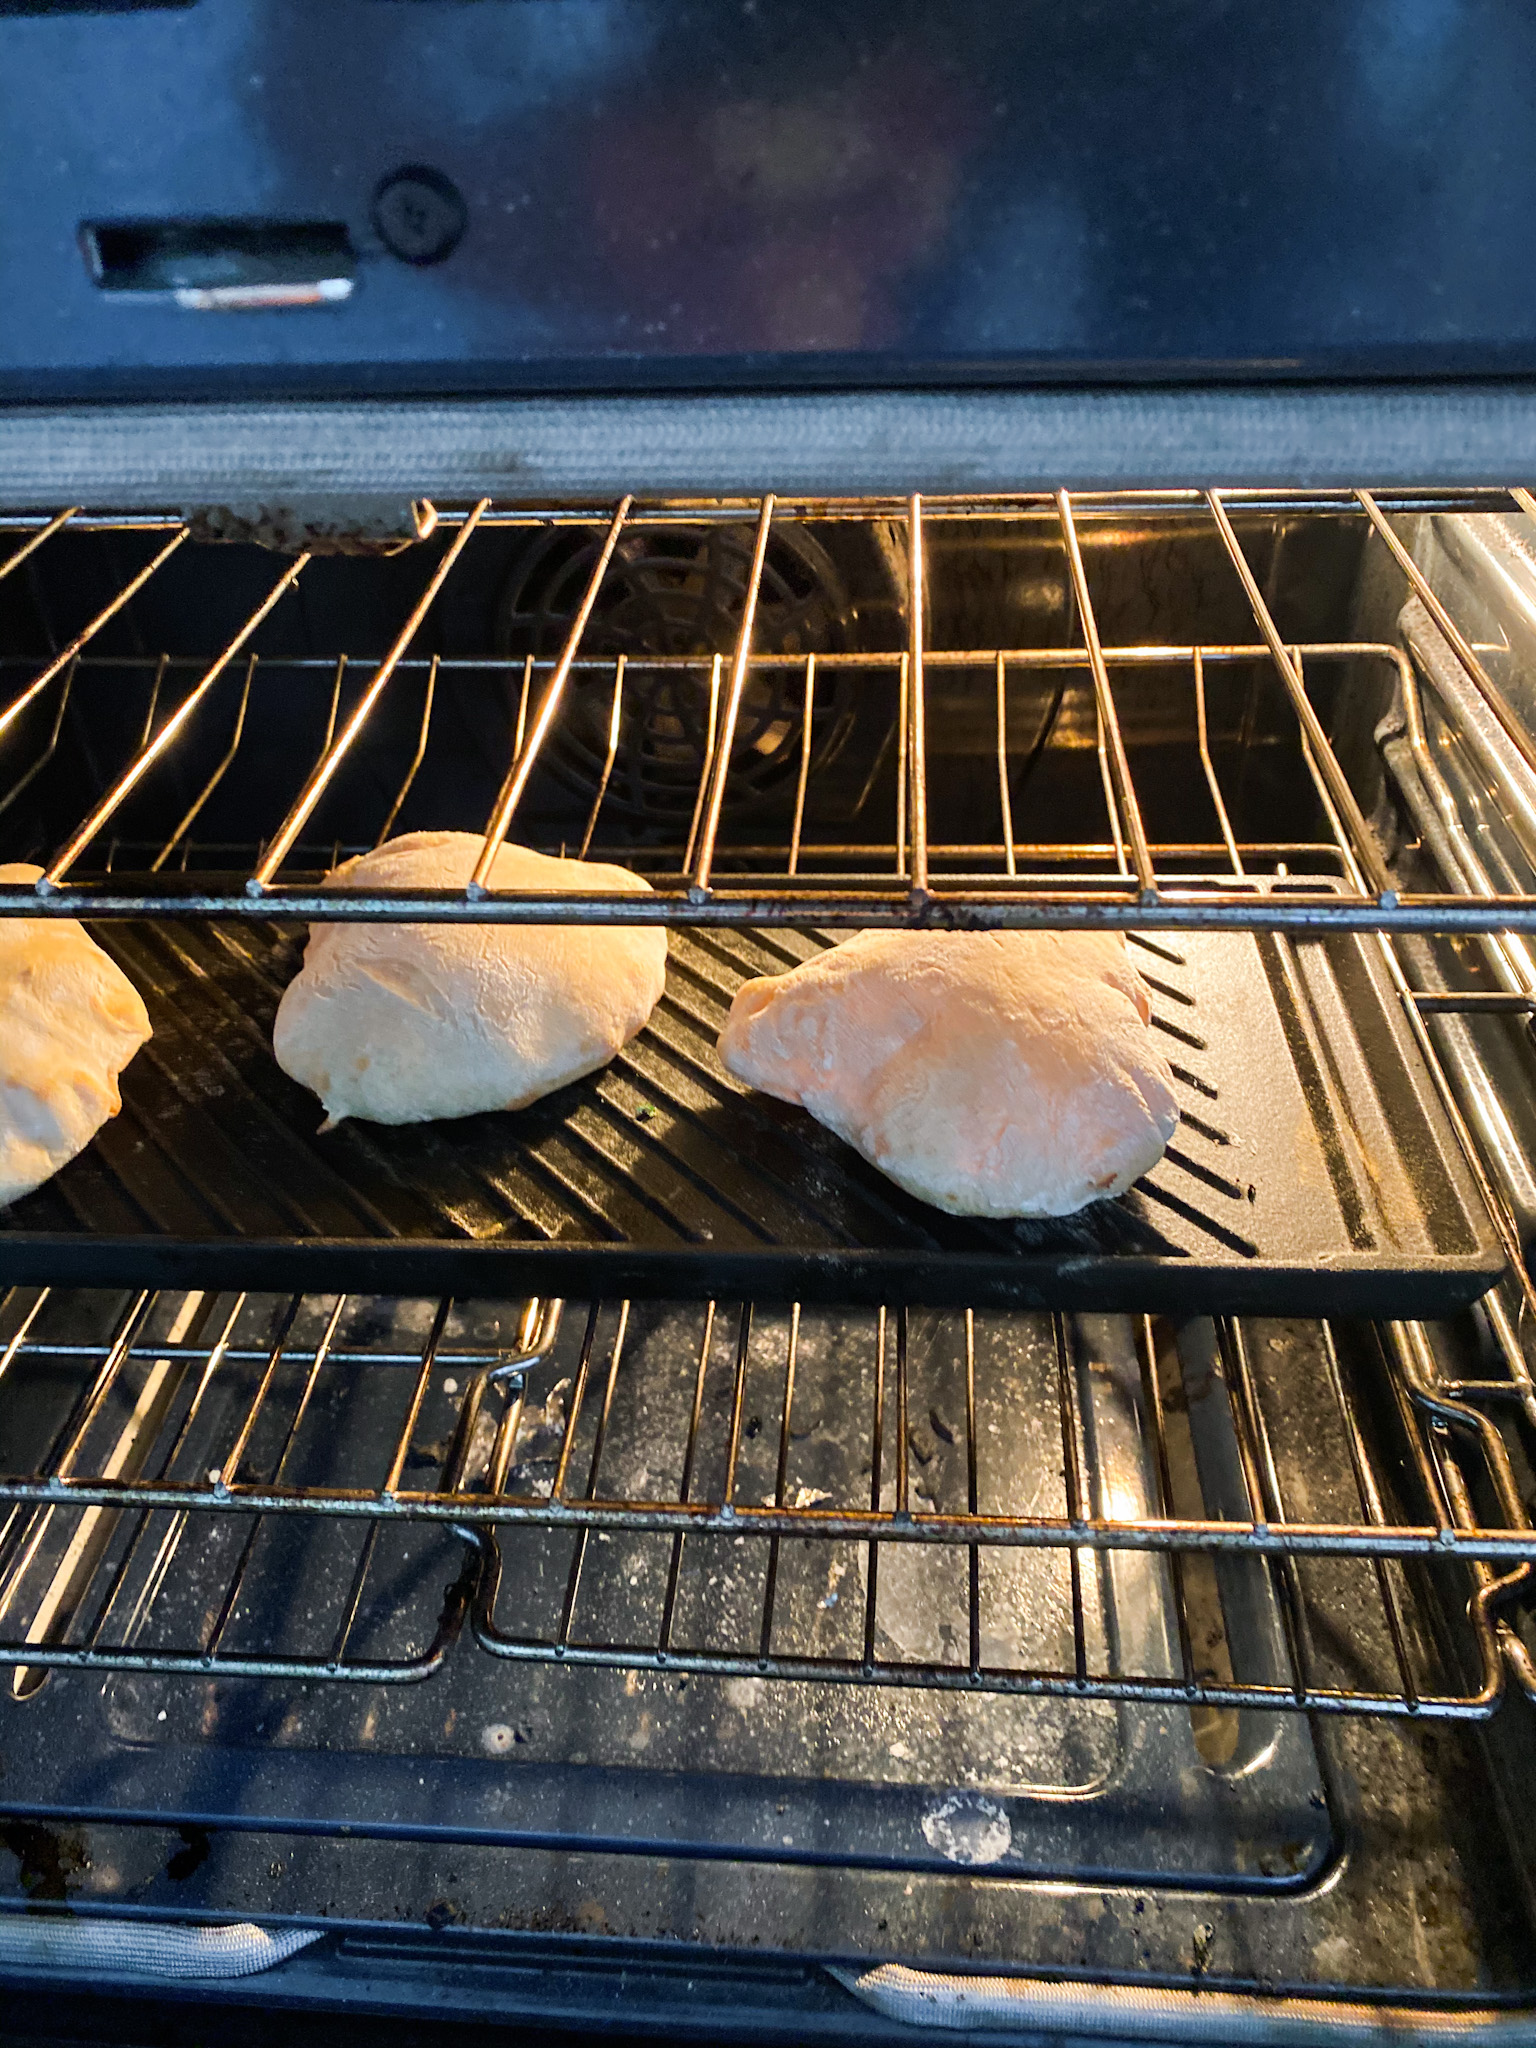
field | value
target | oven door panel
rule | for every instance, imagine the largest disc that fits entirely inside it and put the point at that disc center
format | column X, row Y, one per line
column 639, row 193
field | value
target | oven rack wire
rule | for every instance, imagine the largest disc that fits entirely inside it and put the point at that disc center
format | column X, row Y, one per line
column 108, row 1517
column 1121, row 879
column 110, row 1500
column 1337, row 882
column 1322, row 883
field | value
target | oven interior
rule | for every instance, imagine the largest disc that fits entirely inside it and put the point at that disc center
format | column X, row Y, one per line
column 669, row 1533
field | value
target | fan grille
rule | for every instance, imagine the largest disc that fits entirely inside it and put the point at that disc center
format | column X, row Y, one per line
column 680, row 591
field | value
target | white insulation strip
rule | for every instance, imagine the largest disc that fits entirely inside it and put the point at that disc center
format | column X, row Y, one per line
column 1035, row 2007
column 112, row 1948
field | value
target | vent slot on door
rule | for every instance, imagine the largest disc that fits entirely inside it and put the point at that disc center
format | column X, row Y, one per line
column 221, row 265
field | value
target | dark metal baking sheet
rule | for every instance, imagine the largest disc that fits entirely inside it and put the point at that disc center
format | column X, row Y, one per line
column 1314, row 1166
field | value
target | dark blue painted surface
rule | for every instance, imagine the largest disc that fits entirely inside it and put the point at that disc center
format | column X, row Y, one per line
column 775, row 191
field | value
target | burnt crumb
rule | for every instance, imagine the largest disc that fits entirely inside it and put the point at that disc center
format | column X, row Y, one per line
column 1289, row 1860
column 443, row 1913
column 542, row 1428
column 192, row 1855
column 941, row 1425
column 369, row 1326
column 534, row 1479
column 753, row 1425
column 48, row 1858
column 924, row 1447
column 540, row 1434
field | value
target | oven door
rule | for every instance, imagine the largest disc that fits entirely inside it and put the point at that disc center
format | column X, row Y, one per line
column 266, row 199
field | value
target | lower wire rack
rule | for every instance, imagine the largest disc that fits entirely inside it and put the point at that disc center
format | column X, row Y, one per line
column 1222, row 1513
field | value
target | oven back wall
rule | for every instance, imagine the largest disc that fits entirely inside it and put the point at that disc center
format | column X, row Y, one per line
column 623, row 194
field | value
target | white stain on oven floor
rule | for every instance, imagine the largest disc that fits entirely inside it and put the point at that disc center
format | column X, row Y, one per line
column 969, row 1828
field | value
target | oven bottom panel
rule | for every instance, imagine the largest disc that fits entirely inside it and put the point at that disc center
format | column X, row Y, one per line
column 1418, row 1902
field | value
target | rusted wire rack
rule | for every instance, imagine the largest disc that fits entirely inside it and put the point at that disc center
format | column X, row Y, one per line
column 1121, row 879
column 170, row 1450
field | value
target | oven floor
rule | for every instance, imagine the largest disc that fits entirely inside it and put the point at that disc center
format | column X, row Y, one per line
column 798, row 1772
column 1418, row 1898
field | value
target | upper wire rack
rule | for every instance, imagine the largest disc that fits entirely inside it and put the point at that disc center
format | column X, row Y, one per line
column 1120, row 877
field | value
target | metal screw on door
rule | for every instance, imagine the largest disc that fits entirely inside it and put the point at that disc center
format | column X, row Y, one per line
column 420, row 215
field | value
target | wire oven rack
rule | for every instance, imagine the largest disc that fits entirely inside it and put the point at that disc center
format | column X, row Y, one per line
column 1123, row 880
column 124, row 1489
column 1338, row 882
column 180, row 1444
